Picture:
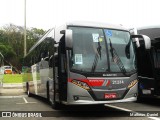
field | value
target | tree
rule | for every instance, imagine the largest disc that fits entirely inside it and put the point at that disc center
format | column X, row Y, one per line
column 12, row 42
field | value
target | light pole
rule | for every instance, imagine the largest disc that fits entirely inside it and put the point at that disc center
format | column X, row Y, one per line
column 25, row 45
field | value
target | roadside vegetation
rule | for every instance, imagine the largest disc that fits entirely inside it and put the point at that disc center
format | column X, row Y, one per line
column 12, row 78
column 12, row 43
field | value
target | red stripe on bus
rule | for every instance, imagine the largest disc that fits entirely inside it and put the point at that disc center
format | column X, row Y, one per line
column 90, row 82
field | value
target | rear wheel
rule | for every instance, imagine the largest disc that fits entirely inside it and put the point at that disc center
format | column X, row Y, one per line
column 27, row 89
column 56, row 105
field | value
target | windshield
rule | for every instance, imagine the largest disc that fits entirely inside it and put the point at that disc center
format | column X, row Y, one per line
column 102, row 50
column 121, row 52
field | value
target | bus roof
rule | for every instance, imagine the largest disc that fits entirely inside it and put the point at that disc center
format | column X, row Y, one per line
column 95, row 24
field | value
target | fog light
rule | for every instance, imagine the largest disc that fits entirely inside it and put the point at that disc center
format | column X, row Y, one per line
column 76, row 97
column 135, row 95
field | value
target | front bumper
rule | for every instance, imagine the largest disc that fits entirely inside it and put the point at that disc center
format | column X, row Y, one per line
column 85, row 98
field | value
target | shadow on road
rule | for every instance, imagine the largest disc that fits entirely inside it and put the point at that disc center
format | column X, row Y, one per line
column 150, row 101
column 82, row 110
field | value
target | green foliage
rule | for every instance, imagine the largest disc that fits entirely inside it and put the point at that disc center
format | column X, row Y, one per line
column 7, row 51
column 12, row 78
column 12, row 42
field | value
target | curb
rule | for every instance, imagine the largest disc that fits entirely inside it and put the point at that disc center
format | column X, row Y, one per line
column 12, row 86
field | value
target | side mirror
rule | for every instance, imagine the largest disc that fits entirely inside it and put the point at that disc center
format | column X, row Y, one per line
column 147, row 41
column 68, row 38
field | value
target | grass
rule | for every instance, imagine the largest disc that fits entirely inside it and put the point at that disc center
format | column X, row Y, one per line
column 12, row 78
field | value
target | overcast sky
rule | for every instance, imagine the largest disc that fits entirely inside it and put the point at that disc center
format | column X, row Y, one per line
column 46, row 14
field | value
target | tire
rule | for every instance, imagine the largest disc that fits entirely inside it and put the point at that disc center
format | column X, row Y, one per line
column 57, row 106
column 27, row 89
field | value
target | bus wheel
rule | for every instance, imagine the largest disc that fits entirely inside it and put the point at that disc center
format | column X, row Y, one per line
column 56, row 106
column 27, row 87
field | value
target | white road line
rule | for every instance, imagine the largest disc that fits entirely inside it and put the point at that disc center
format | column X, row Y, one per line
column 25, row 100
column 20, row 103
column 12, row 96
column 154, row 118
column 124, row 109
column 127, row 110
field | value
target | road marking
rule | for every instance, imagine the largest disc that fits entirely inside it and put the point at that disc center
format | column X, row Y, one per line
column 124, row 109
column 154, row 118
column 13, row 96
column 25, row 100
column 127, row 110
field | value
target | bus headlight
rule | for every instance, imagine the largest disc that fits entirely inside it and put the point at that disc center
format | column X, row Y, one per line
column 80, row 84
column 132, row 83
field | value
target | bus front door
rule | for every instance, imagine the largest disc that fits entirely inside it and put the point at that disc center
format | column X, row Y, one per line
column 62, row 71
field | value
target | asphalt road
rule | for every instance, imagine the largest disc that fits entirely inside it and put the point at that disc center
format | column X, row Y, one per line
column 19, row 106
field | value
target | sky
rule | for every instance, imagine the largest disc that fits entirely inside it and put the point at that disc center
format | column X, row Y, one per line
column 46, row 14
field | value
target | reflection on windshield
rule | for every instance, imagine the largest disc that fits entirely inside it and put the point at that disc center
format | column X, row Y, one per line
column 120, row 60
column 91, row 48
column 116, row 59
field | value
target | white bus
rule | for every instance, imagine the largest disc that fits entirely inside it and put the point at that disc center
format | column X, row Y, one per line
column 83, row 63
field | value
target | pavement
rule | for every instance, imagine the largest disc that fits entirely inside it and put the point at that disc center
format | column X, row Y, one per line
column 12, row 86
column 12, row 89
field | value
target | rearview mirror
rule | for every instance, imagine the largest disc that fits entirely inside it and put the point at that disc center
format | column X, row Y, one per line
column 139, row 43
column 68, row 38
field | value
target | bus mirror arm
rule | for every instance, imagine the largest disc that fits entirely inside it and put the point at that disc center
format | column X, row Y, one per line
column 147, row 41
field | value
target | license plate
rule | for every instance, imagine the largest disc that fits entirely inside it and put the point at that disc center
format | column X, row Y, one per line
column 110, row 95
column 146, row 91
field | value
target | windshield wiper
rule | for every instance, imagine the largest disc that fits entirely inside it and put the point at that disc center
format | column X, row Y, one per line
column 116, row 58
column 96, row 57
column 99, row 49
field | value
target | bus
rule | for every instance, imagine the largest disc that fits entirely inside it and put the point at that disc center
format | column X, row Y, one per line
column 1, row 71
column 82, row 63
column 149, row 64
